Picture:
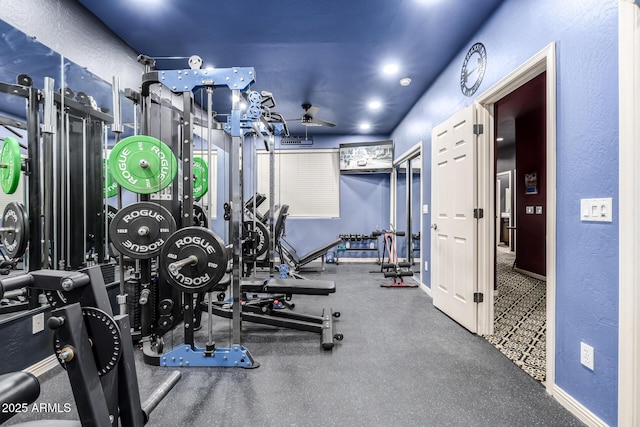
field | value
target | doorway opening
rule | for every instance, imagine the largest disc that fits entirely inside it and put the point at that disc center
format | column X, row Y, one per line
column 520, row 234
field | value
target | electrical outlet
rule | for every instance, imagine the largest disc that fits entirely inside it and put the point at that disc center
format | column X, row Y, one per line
column 586, row 355
column 37, row 322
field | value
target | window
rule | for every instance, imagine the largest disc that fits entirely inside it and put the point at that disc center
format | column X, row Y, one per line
column 306, row 180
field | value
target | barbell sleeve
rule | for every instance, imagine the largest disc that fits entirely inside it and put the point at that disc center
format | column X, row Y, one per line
column 177, row 265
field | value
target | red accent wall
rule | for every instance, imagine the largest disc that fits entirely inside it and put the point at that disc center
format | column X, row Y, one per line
column 531, row 157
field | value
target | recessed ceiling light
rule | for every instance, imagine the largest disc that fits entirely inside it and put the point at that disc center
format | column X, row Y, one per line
column 375, row 105
column 390, row 68
column 406, row 81
column 365, row 126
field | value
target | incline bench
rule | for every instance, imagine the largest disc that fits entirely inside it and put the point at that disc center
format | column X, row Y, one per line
column 261, row 310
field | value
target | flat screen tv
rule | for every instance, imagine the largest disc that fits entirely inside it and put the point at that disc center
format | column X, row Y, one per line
column 366, row 157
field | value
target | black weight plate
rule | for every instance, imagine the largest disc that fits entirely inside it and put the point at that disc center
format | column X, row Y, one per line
column 207, row 247
column 200, row 217
column 16, row 219
column 139, row 230
column 105, row 338
column 111, row 212
column 259, row 239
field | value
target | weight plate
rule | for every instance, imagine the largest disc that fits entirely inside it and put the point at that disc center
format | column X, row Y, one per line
column 15, row 240
column 143, row 164
column 105, row 339
column 110, row 185
column 200, row 217
column 10, row 165
column 206, row 247
column 200, row 177
column 256, row 239
column 111, row 212
column 139, row 230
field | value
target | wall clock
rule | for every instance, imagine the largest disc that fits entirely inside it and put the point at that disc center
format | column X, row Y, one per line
column 473, row 67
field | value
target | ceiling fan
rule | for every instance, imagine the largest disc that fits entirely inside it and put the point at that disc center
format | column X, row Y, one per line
column 309, row 119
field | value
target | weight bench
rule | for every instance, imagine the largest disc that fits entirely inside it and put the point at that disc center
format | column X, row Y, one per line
column 261, row 310
column 297, row 262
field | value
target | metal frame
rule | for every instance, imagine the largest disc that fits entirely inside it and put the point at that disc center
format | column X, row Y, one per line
column 185, row 82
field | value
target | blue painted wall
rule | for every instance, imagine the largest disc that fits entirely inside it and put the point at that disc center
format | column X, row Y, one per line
column 586, row 37
column 364, row 203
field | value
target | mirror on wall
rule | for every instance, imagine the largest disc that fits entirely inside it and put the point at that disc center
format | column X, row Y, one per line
column 406, row 202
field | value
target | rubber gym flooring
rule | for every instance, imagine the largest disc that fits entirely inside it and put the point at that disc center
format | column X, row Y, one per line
column 401, row 363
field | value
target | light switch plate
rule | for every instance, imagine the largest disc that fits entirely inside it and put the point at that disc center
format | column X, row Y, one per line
column 598, row 210
column 528, row 210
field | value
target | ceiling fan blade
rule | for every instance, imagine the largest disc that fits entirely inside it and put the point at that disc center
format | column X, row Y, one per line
column 311, row 110
column 318, row 122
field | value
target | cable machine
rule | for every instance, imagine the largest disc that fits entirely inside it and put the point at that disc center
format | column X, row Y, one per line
column 192, row 260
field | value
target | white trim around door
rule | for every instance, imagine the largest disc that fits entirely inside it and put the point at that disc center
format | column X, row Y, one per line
column 629, row 209
column 545, row 60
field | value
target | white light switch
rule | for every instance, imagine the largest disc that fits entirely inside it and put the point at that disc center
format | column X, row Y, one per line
column 599, row 210
column 425, row 209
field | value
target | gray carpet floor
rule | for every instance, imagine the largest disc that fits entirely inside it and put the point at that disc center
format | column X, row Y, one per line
column 401, row 363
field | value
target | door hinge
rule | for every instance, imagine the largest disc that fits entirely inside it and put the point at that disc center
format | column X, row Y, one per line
column 478, row 129
column 478, row 213
column 478, row 297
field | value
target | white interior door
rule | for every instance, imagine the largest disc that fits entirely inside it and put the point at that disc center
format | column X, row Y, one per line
column 454, row 228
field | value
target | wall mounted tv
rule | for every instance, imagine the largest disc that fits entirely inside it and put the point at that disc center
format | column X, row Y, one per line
column 366, row 157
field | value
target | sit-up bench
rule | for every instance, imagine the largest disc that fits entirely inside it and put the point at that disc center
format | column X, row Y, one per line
column 262, row 311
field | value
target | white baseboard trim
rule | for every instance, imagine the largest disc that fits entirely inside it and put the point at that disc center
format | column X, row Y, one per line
column 43, row 366
column 530, row 274
column 357, row 260
column 425, row 288
column 576, row 408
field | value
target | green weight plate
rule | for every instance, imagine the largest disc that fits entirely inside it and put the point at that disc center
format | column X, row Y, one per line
column 110, row 185
column 143, row 164
column 10, row 165
column 200, row 177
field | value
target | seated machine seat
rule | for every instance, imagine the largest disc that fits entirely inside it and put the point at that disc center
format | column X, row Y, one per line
column 290, row 286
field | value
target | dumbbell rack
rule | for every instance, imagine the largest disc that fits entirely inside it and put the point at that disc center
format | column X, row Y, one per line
column 359, row 239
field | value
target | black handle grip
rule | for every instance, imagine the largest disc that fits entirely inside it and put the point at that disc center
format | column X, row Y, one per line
column 15, row 282
column 20, row 388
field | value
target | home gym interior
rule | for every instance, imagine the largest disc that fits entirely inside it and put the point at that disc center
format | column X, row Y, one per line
column 315, row 213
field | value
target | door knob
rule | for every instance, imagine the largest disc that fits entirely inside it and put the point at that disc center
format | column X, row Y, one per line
column 434, row 226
